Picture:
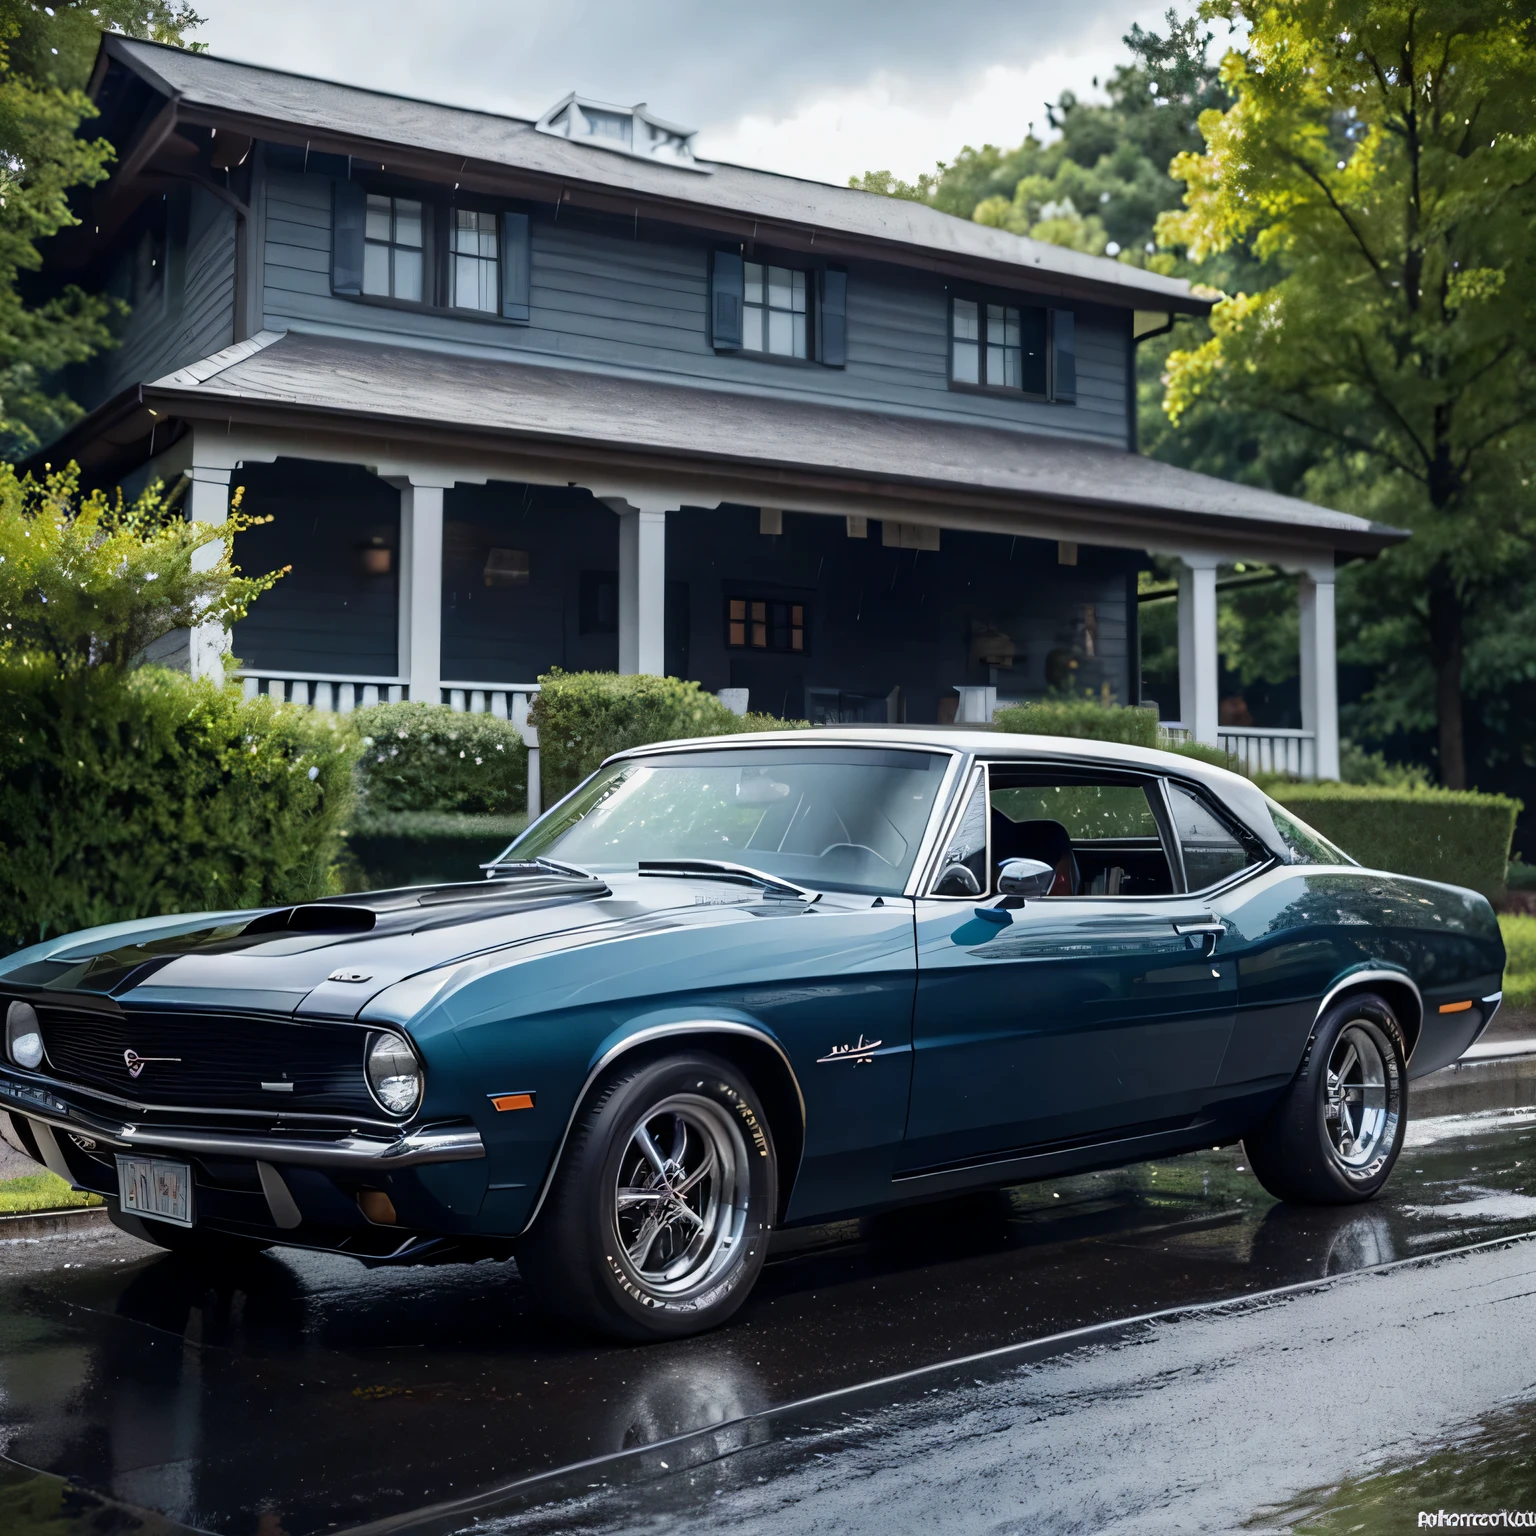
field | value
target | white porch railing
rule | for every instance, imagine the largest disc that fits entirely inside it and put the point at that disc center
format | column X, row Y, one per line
column 328, row 691
column 1272, row 750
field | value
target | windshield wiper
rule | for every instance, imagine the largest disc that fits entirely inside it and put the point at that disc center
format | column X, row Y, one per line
column 718, row 869
column 550, row 865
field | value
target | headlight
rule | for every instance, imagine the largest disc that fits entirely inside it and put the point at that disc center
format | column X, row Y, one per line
column 394, row 1074
column 23, row 1036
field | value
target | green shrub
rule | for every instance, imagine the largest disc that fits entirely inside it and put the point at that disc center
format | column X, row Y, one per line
column 1084, row 718
column 424, row 847
column 1457, row 836
column 130, row 795
column 584, row 717
column 427, row 757
column 1520, row 963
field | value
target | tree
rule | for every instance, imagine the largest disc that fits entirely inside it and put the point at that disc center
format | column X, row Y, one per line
column 1378, row 154
column 46, row 53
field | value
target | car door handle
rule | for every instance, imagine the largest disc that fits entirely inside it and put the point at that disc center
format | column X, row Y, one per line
column 1207, row 927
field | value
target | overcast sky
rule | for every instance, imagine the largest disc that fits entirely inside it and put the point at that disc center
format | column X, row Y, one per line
column 820, row 88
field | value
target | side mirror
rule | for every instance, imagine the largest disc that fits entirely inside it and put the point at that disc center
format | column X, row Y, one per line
column 957, row 880
column 1025, row 877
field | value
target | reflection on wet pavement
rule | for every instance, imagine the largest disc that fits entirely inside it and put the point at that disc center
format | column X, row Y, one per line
column 308, row 1392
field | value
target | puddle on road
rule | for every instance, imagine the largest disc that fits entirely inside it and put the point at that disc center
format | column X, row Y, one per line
column 1488, row 1467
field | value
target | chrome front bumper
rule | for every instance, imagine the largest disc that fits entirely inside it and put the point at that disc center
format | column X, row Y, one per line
column 427, row 1144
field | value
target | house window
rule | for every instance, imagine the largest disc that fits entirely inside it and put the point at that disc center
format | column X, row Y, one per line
column 764, row 624
column 998, row 346
column 392, row 248
column 473, row 267
column 773, row 311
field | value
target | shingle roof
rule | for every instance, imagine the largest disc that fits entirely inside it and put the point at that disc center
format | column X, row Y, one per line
column 411, row 389
column 290, row 105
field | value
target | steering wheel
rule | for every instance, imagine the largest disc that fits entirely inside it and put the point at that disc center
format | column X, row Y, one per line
column 847, row 848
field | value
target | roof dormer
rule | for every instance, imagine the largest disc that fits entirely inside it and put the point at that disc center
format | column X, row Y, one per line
column 626, row 130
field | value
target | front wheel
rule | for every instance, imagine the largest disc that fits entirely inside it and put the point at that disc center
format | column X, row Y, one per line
column 657, row 1222
column 1334, row 1137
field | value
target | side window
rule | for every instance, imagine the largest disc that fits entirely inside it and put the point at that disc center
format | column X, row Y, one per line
column 1212, row 851
column 1101, row 836
column 963, row 869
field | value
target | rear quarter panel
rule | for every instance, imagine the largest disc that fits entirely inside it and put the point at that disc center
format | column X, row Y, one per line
column 1301, row 930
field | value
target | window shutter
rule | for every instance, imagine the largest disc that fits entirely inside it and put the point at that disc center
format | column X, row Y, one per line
column 515, row 266
column 349, row 207
column 832, row 319
column 726, row 294
column 1063, row 355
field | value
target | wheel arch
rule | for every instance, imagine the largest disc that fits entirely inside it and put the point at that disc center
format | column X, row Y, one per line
column 746, row 1046
column 1396, row 986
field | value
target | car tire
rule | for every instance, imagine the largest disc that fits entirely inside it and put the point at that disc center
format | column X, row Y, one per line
column 190, row 1242
column 657, row 1222
column 1335, row 1135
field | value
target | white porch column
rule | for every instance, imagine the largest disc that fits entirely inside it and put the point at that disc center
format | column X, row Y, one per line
column 207, row 502
column 421, row 584
column 1197, row 647
column 1320, row 667
column 642, row 586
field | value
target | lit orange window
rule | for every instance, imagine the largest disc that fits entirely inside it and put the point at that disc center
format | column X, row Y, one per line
column 765, row 624
column 736, row 627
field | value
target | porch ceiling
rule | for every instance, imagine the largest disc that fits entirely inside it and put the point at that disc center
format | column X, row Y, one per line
column 734, row 446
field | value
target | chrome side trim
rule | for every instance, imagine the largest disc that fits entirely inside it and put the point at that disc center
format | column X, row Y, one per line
column 1353, row 979
column 959, row 804
column 642, row 1037
column 449, row 1144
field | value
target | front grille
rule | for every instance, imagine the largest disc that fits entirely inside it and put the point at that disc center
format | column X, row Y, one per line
column 209, row 1061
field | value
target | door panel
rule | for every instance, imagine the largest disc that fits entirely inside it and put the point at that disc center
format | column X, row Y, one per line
column 1068, row 1020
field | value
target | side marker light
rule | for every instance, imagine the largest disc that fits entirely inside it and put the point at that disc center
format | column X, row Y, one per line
column 1454, row 1007
column 505, row 1101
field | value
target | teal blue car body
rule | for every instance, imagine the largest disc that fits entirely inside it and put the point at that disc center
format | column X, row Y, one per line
column 906, row 1044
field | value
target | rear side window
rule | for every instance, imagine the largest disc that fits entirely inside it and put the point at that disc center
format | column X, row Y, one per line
column 1307, row 845
column 1213, row 852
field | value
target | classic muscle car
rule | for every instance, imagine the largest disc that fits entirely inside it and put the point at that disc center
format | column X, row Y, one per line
column 736, row 984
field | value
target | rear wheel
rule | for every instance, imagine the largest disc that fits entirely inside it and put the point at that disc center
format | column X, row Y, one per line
column 657, row 1222
column 1336, row 1134
column 192, row 1242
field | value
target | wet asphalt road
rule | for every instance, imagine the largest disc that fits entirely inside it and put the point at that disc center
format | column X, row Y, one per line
column 312, row 1394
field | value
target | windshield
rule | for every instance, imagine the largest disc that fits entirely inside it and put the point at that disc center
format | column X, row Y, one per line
column 831, row 818
column 1307, row 845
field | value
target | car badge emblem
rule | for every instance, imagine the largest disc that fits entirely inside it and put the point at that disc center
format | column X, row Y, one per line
column 136, row 1063
column 349, row 975
column 860, row 1053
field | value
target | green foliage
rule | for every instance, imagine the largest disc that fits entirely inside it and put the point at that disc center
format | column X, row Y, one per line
column 1456, row 836
column 130, row 796
column 46, row 53
column 92, row 581
column 428, row 758
column 41, row 1191
column 1380, row 155
column 1085, row 718
column 1357, row 766
column 584, row 717
column 387, row 849
column 1519, row 932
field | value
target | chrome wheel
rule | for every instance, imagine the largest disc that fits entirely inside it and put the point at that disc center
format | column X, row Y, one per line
column 681, row 1194
column 1361, row 1107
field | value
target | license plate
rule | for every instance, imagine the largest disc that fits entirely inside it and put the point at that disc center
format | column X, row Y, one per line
column 151, row 1186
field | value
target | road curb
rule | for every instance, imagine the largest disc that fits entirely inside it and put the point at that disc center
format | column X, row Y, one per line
column 78, row 1219
column 1490, row 1082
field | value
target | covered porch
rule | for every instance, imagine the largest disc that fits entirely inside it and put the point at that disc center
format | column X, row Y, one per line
column 457, row 530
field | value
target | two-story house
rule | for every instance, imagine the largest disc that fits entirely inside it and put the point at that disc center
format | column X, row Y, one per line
column 559, row 393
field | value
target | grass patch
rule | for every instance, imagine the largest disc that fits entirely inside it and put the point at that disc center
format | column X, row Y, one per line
column 40, row 1191
column 1520, row 963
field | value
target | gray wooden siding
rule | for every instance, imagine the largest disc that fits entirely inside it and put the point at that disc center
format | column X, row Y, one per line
column 195, row 313
column 607, row 300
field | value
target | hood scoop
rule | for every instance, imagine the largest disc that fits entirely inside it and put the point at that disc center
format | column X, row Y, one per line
column 316, row 917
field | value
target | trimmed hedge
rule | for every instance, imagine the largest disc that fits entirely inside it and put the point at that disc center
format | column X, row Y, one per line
column 427, row 757
column 1088, row 720
column 130, row 796
column 1456, row 836
column 585, row 717
column 424, row 847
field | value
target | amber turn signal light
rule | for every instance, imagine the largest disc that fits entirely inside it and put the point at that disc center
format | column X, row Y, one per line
column 377, row 1207
column 505, row 1101
column 1454, row 1007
